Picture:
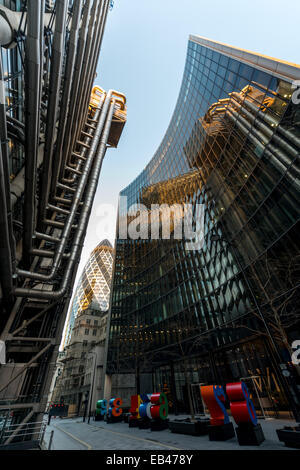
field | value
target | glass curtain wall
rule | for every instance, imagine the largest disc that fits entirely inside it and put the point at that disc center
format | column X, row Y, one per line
column 232, row 145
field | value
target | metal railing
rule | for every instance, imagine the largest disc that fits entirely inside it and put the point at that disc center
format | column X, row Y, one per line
column 33, row 432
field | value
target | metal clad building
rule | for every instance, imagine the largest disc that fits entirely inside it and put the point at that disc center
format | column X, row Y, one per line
column 55, row 128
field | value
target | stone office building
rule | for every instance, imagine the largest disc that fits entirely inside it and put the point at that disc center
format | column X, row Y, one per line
column 83, row 362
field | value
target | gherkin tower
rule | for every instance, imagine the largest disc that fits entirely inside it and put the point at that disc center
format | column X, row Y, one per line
column 93, row 285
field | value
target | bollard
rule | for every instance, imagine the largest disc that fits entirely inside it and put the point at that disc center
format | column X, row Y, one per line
column 50, row 440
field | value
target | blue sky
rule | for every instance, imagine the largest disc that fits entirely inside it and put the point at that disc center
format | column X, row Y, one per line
column 143, row 55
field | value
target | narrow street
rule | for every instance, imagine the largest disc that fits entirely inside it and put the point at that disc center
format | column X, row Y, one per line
column 73, row 434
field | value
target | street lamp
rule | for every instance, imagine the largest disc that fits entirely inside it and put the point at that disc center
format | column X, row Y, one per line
column 94, row 353
column 85, row 405
column 289, row 394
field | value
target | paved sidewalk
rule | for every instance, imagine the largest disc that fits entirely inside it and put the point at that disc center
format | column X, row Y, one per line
column 73, row 434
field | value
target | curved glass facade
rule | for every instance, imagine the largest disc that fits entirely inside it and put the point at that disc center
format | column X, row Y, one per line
column 221, row 313
column 94, row 283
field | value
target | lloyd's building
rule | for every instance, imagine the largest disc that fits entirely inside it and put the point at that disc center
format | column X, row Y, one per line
column 230, row 310
column 55, row 128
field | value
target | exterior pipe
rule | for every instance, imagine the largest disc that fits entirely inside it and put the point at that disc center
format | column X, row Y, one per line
column 61, row 200
column 78, row 156
column 265, row 147
column 42, row 48
column 73, row 170
column 53, row 100
column 69, row 68
column 58, row 209
column 269, row 131
column 13, row 19
column 15, row 133
column 7, row 246
column 69, row 202
column 32, row 105
column 87, row 69
column 14, row 121
column 282, row 157
column 266, row 117
column 102, row 16
column 46, row 253
column 85, row 144
column 77, row 199
column 6, row 33
column 78, row 166
column 66, row 188
column 9, row 23
column 98, row 48
column 75, row 84
column 55, row 223
column 84, row 217
column 17, row 184
column 48, row 238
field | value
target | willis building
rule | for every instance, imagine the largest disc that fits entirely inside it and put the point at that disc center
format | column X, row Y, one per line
column 230, row 310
